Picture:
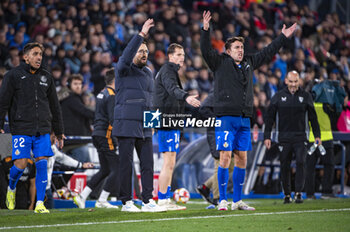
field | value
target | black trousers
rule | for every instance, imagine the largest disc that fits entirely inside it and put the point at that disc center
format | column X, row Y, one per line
column 144, row 149
column 328, row 161
column 286, row 151
column 109, row 164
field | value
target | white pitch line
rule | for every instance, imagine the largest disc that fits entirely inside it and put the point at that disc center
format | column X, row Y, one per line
column 174, row 219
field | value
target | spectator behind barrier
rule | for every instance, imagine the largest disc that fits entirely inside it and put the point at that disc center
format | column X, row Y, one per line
column 76, row 118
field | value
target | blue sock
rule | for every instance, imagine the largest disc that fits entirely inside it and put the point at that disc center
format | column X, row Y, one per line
column 15, row 174
column 41, row 179
column 238, row 181
column 222, row 182
column 168, row 192
column 161, row 196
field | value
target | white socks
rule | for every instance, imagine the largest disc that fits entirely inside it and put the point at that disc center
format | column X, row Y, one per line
column 103, row 196
column 86, row 192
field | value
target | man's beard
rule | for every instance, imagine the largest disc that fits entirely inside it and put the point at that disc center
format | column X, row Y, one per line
column 140, row 64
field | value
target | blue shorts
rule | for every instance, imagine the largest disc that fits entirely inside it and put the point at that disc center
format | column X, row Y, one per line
column 169, row 140
column 234, row 134
column 22, row 144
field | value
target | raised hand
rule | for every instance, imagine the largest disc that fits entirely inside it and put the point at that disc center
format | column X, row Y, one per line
column 206, row 20
column 146, row 26
column 288, row 31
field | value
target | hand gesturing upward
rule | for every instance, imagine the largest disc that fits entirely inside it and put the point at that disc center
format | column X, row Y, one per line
column 206, row 20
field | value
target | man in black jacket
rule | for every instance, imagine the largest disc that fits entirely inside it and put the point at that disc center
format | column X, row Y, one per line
column 169, row 98
column 134, row 87
column 77, row 118
column 106, row 146
column 289, row 108
column 28, row 93
column 233, row 104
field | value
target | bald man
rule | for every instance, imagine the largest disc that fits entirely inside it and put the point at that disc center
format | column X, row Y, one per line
column 290, row 108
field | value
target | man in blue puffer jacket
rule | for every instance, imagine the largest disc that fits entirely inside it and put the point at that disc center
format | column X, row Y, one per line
column 134, row 87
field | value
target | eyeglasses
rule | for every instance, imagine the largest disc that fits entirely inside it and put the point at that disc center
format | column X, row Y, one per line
column 142, row 51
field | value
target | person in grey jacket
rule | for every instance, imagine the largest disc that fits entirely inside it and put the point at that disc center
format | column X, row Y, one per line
column 134, row 87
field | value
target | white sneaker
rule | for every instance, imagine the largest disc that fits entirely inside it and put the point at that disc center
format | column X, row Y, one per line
column 223, row 205
column 240, row 205
column 169, row 205
column 105, row 204
column 152, row 207
column 79, row 201
column 130, row 207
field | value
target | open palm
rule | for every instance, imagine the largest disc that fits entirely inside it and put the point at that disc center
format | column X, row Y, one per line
column 288, row 31
column 206, row 19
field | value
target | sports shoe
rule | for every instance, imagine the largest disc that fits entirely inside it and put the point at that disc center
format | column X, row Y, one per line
column 222, row 205
column 204, row 191
column 240, row 205
column 130, row 207
column 105, row 204
column 287, row 199
column 11, row 199
column 169, row 205
column 79, row 201
column 326, row 196
column 40, row 208
column 215, row 201
column 152, row 207
column 310, row 197
column 298, row 198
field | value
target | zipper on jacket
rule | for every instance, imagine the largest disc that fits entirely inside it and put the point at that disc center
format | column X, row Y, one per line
column 135, row 100
column 36, row 105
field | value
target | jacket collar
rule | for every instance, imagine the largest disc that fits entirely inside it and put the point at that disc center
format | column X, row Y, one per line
column 243, row 62
column 110, row 89
column 26, row 67
column 287, row 90
column 174, row 66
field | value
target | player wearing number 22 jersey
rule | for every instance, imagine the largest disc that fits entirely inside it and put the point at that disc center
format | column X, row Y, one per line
column 29, row 96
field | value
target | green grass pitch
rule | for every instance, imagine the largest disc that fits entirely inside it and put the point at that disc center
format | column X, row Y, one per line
column 270, row 215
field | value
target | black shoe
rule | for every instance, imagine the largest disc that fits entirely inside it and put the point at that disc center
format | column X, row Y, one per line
column 298, row 198
column 204, row 191
column 215, row 201
column 287, row 199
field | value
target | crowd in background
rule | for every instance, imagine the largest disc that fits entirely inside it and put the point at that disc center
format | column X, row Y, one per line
column 88, row 36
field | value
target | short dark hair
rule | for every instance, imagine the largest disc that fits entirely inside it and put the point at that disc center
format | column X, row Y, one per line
column 30, row 46
column 232, row 40
column 74, row 77
column 110, row 76
column 172, row 47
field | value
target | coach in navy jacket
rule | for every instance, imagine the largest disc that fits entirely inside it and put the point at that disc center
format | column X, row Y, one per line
column 134, row 86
